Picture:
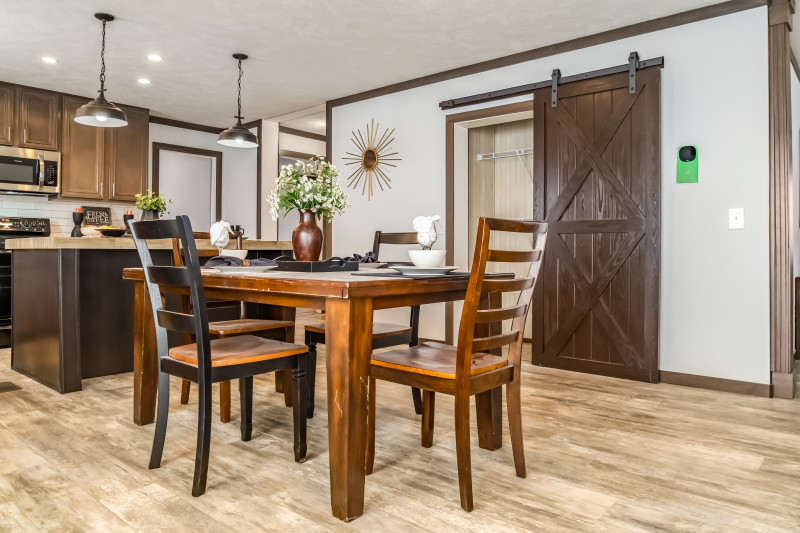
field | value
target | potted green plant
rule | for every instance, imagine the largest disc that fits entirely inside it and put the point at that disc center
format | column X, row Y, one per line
column 152, row 205
column 313, row 188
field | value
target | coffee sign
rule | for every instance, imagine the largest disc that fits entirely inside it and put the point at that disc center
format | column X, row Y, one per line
column 96, row 216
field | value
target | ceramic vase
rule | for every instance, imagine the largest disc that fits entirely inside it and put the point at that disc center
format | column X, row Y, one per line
column 307, row 237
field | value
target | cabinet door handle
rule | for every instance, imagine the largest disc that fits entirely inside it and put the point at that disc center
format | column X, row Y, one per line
column 25, row 135
column 9, row 133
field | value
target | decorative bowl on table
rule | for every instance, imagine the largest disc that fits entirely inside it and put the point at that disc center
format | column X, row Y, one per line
column 111, row 232
column 427, row 258
column 241, row 254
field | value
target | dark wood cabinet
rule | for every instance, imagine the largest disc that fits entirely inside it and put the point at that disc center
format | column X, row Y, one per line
column 104, row 163
column 82, row 169
column 126, row 156
column 39, row 119
column 7, row 123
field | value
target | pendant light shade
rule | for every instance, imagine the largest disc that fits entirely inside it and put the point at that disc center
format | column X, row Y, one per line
column 100, row 112
column 237, row 135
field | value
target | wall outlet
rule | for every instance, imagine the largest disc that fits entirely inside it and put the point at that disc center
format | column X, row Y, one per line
column 736, row 218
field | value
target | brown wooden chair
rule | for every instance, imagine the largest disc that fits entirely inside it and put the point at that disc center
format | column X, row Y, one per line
column 477, row 363
column 383, row 335
column 209, row 361
column 269, row 329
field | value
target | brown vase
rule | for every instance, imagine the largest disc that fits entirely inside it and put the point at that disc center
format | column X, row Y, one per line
column 307, row 237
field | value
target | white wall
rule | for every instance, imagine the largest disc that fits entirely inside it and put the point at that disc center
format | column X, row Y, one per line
column 715, row 282
column 305, row 145
column 269, row 173
column 238, row 172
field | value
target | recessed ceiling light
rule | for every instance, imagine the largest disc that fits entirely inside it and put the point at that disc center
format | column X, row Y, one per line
column 48, row 59
column 154, row 57
column 144, row 81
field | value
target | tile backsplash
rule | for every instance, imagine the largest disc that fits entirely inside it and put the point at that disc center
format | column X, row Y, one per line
column 58, row 211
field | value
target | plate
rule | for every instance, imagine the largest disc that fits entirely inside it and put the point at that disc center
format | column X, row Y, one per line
column 112, row 232
column 369, row 266
column 424, row 271
column 243, row 269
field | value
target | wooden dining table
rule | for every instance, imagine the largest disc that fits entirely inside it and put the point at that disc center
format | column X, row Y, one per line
column 348, row 300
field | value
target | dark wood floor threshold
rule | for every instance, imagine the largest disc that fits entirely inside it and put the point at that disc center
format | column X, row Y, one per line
column 763, row 390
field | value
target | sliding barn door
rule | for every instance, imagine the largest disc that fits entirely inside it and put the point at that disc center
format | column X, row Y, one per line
column 597, row 182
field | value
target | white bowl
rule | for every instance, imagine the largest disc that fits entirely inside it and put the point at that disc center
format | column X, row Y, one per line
column 241, row 254
column 427, row 258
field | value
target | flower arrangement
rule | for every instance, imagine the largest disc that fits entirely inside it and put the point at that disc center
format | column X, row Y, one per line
column 312, row 185
column 152, row 202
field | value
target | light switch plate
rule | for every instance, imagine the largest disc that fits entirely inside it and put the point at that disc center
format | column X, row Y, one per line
column 736, row 218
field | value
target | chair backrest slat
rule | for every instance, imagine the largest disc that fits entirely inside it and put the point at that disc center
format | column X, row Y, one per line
column 408, row 237
column 481, row 328
column 186, row 275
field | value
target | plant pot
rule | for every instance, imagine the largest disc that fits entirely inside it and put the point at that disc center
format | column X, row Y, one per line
column 149, row 214
column 307, row 237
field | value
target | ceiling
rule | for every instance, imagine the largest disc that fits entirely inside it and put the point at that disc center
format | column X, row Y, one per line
column 302, row 52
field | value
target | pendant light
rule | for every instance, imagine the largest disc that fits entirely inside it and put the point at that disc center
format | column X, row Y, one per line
column 237, row 135
column 100, row 112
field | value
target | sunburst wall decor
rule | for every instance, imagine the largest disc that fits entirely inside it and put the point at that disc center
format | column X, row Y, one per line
column 373, row 160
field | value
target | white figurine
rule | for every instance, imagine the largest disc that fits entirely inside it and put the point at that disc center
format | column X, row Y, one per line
column 219, row 235
column 426, row 230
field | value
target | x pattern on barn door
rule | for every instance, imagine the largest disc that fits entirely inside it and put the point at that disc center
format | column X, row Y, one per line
column 598, row 185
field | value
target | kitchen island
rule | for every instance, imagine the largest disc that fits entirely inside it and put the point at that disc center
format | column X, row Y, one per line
column 71, row 311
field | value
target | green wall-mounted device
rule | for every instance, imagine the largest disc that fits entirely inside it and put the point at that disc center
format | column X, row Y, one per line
column 687, row 164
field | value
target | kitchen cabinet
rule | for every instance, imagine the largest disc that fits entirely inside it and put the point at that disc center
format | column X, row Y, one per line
column 39, row 119
column 7, row 125
column 82, row 159
column 104, row 163
column 126, row 156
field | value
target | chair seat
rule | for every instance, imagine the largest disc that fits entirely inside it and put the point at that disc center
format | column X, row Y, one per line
column 435, row 359
column 238, row 350
column 379, row 329
column 245, row 325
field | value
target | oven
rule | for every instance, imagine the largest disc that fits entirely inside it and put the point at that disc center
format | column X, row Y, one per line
column 14, row 228
column 29, row 172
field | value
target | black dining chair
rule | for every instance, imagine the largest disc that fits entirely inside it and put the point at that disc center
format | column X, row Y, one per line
column 383, row 335
column 209, row 361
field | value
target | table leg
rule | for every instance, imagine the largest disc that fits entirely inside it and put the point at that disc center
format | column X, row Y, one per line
column 145, row 359
column 348, row 325
column 489, row 404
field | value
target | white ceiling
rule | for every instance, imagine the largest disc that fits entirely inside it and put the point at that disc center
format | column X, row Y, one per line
column 303, row 52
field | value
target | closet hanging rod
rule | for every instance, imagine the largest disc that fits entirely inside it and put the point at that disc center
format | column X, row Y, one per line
column 508, row 153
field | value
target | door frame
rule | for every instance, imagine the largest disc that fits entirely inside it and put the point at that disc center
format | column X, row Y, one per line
column 217, row 156
column 450, row 171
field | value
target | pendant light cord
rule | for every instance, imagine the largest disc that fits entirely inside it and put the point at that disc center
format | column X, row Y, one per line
column 239, row 98
column 103, row 61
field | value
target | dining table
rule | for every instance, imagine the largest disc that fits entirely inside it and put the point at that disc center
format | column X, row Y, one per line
column 348, row 300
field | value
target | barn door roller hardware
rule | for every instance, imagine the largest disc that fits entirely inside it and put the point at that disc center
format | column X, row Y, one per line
column 630, row 67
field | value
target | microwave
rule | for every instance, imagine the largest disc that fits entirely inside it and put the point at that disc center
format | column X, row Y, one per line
column 25, row 171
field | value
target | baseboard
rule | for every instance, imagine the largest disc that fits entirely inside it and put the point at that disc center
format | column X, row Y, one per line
column 784, row 385
column 763, row 390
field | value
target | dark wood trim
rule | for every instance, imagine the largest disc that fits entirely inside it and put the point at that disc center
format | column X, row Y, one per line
column 679, row 19
column 327, row 230
column 780, row 189
column 763, row 390
column 305, row 156
column 259, row 190
column 184, row 125
column 452, row 120
column 252, row 124
column 301, row 133
column 157, row 147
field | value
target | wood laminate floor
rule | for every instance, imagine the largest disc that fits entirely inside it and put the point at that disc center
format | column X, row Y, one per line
column 602, row 454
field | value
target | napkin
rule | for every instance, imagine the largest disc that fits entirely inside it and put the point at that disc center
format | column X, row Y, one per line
column 262, row 263
column 223, row 260
column 218, row 234
column 369, row 257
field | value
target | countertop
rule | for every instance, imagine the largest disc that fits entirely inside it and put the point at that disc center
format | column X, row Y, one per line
column 126, row 243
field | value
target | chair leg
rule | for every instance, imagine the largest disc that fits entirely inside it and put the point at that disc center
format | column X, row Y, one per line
column 224, row 401
column 312, row 373
column 370, row 459
column 246, row 402
column 203, row 439
column 300, row 407
column 279, row 381
column 287, row 388
column 416, row 395
column 463, row 451
column 514, row 407
column 161, row 420
column 186, row 385
column 428, row 408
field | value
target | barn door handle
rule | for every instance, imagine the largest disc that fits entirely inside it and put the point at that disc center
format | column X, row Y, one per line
column 633, row 63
